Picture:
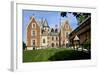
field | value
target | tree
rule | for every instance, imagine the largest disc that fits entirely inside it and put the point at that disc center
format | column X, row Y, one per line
column 63, row 14
column 79, row 16
column 24, row 46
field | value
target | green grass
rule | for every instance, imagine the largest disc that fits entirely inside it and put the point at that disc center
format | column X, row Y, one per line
column 53, row 55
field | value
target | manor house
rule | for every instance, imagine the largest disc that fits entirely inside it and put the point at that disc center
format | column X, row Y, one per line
column 41, row 36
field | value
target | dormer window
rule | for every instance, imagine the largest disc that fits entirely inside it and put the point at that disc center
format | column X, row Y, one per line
column 56, row 30
column 52, row 30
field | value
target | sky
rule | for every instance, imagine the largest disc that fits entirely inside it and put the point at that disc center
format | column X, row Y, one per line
column 53, row 18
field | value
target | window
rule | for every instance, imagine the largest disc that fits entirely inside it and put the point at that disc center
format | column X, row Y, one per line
column 33, row 25
column 68, row 27
column 33, row 33
column 52, row 44
column 42, row 31
column 56, row 38
column 67, row 34
column 43, row 40
column 52, row 38
column 33, row 42
column 57, row 44
column 47, row 37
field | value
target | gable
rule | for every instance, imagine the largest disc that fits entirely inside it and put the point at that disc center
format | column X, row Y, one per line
column 32, row 23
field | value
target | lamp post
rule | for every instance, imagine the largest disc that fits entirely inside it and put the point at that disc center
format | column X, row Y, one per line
column 76, row 42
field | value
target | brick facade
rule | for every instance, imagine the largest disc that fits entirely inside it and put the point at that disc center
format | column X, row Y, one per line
column 40, row 35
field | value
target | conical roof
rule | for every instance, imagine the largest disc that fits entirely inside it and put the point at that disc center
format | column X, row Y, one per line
column 45, row 23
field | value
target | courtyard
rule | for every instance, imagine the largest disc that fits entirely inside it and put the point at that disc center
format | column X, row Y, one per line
column 57, row 38
column 54, row 54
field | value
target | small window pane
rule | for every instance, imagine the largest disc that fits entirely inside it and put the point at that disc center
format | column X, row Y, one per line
column 43, row 40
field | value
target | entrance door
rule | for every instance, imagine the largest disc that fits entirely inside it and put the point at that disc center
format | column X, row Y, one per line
column 33, row 44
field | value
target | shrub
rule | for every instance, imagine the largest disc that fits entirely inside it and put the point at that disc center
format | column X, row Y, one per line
column 24, row 46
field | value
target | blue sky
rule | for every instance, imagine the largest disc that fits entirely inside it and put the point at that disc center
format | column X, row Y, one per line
column 53, row 18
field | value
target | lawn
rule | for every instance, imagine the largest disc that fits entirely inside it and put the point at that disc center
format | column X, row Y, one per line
column 53, row 55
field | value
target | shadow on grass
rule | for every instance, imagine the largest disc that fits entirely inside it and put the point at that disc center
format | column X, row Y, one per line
column 70, row 55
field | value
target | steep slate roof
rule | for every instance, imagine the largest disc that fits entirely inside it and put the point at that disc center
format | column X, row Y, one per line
column 45, row 23
column 42, row 23
column 38, row 22
column 54, row 33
